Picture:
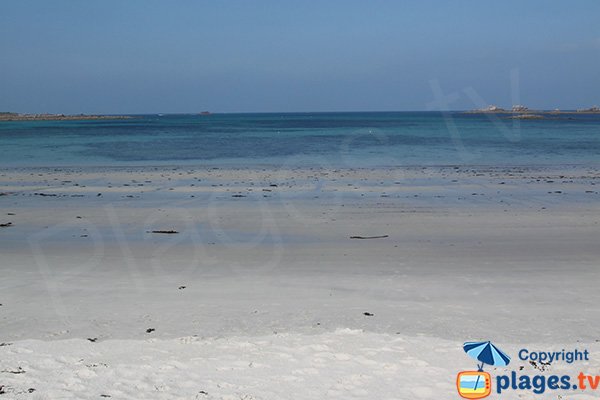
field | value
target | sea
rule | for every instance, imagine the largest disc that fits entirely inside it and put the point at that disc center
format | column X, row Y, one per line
column 336, row 140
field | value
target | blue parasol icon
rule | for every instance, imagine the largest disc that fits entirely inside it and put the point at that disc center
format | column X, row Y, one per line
column 487, row 353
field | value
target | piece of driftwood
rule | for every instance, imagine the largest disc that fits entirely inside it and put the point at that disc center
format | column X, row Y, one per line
column 369, row 237
column 167, row 232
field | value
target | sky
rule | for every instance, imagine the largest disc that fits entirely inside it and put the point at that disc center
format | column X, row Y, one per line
column 146, row 56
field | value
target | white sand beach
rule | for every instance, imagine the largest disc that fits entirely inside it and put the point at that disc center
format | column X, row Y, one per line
column 262, row 294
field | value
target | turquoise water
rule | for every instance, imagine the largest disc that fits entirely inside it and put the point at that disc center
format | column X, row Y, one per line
column 303, row 139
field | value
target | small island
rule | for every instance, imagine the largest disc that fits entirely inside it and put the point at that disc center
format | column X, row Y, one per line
column 523, row 112
column 11, row 116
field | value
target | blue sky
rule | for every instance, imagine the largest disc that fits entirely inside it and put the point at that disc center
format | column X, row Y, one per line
column 149, row 56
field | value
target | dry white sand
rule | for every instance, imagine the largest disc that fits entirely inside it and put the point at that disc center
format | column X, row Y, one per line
column 340, row 364
column 262, row 294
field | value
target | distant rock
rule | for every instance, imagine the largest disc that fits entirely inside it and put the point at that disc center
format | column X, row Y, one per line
column 520, row 109
column 592, row 110
column 492, row 108
column 527, row 116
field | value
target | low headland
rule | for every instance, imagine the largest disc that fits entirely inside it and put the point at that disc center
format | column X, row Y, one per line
column 11, row 116
column 523, row 112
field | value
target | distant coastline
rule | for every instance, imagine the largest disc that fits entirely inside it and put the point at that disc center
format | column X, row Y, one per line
column 523, row 112
column 10, row 116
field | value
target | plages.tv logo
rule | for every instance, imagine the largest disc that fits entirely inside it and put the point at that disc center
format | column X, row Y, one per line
column 478, row 384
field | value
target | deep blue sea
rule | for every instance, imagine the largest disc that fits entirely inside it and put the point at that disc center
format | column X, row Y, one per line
column 338, row 140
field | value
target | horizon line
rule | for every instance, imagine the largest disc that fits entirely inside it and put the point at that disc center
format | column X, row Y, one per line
column 277, row 112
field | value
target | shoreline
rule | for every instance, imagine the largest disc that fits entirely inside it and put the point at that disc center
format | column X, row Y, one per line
column 194, row 165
